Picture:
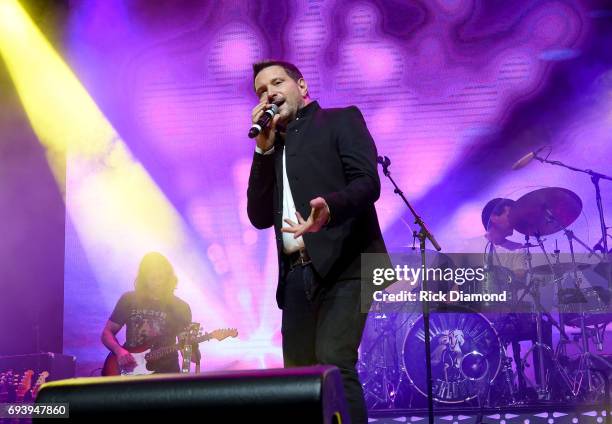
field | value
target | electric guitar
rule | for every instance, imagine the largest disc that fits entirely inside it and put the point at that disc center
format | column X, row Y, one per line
column 24, row 386
column 143, row 354
column 42, row 377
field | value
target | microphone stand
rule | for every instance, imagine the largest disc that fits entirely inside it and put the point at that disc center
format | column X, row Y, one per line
column 595, row 177
column 423, row 235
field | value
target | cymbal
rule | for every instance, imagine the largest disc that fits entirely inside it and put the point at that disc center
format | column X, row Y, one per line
column 545, row 211
column 561, row 268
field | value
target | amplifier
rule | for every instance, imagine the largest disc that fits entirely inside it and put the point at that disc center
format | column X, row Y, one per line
column 59, row 366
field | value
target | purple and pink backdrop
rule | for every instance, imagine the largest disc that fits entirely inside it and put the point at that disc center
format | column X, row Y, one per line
column 453, row 91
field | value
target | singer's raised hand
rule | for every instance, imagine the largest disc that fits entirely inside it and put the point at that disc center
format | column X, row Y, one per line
column 265, row 139
column 319, row 216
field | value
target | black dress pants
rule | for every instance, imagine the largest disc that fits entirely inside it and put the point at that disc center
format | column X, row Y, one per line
column 322, row 324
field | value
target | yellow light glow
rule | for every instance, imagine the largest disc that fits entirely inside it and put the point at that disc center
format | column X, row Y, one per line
column 62, row 114
column 117, row 209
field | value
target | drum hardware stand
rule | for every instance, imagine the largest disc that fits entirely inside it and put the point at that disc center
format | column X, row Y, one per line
column 506, row 371
column 584, row 367
column 599, row 338
column 484, row 400
column 508, row 379
column 584, row 364
column 595, row 178
column 389, row 385
column 542, row 389
column 387, row 382
column 556, row 284
column 560, row 350
column 520, row 369
column 570, row 234
column 586, row 356
column 423, row 235
column 585, row 343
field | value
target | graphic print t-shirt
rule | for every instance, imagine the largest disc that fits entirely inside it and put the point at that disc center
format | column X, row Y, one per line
column 152, row 323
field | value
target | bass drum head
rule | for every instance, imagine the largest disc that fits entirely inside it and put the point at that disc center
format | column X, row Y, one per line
column 465, row 355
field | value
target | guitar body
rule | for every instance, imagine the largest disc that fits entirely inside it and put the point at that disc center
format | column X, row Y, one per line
column 111, row 366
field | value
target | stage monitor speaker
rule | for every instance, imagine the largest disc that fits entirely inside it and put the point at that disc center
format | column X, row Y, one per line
column 292, row 395
column 58, row 366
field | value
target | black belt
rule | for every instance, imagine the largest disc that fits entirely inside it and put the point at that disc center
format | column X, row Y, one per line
column 300, row 257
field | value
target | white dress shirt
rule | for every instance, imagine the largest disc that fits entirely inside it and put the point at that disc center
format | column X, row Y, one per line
column 290, row 244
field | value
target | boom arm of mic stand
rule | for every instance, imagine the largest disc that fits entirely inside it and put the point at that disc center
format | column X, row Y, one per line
column 595, row 177
column 586, row 171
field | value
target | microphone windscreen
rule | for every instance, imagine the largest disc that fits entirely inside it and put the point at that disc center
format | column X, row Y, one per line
column 522, row 162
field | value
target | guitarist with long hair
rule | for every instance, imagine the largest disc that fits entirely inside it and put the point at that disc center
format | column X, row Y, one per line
column 152, row 314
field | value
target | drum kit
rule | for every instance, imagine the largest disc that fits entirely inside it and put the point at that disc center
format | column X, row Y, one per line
column 470, row 359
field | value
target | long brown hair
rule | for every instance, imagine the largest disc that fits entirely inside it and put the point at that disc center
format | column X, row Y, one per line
column 154, row 263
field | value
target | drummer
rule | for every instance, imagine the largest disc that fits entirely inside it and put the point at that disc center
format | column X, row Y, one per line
column 510, row 255
column 495, row 219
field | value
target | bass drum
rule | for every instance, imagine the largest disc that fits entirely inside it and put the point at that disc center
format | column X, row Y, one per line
column 466, row 355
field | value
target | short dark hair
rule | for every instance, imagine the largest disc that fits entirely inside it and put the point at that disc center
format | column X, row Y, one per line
column 494, row 207
column 289, row 68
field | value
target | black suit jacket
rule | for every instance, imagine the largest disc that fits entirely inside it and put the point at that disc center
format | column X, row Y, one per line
column 329, row 153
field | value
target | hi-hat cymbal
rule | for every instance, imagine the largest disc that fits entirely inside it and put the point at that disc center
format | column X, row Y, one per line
column 545, row 211
column 561, row 268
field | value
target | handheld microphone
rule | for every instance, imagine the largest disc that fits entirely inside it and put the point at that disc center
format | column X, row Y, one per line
column 522, row 162
column 263, row 121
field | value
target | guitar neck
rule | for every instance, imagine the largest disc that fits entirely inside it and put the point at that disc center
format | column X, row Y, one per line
column 167, row 350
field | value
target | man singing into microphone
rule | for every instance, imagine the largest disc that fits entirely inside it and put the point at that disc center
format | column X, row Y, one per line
column 314, row 179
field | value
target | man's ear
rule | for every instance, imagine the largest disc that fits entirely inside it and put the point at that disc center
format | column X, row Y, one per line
column 303, row 87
